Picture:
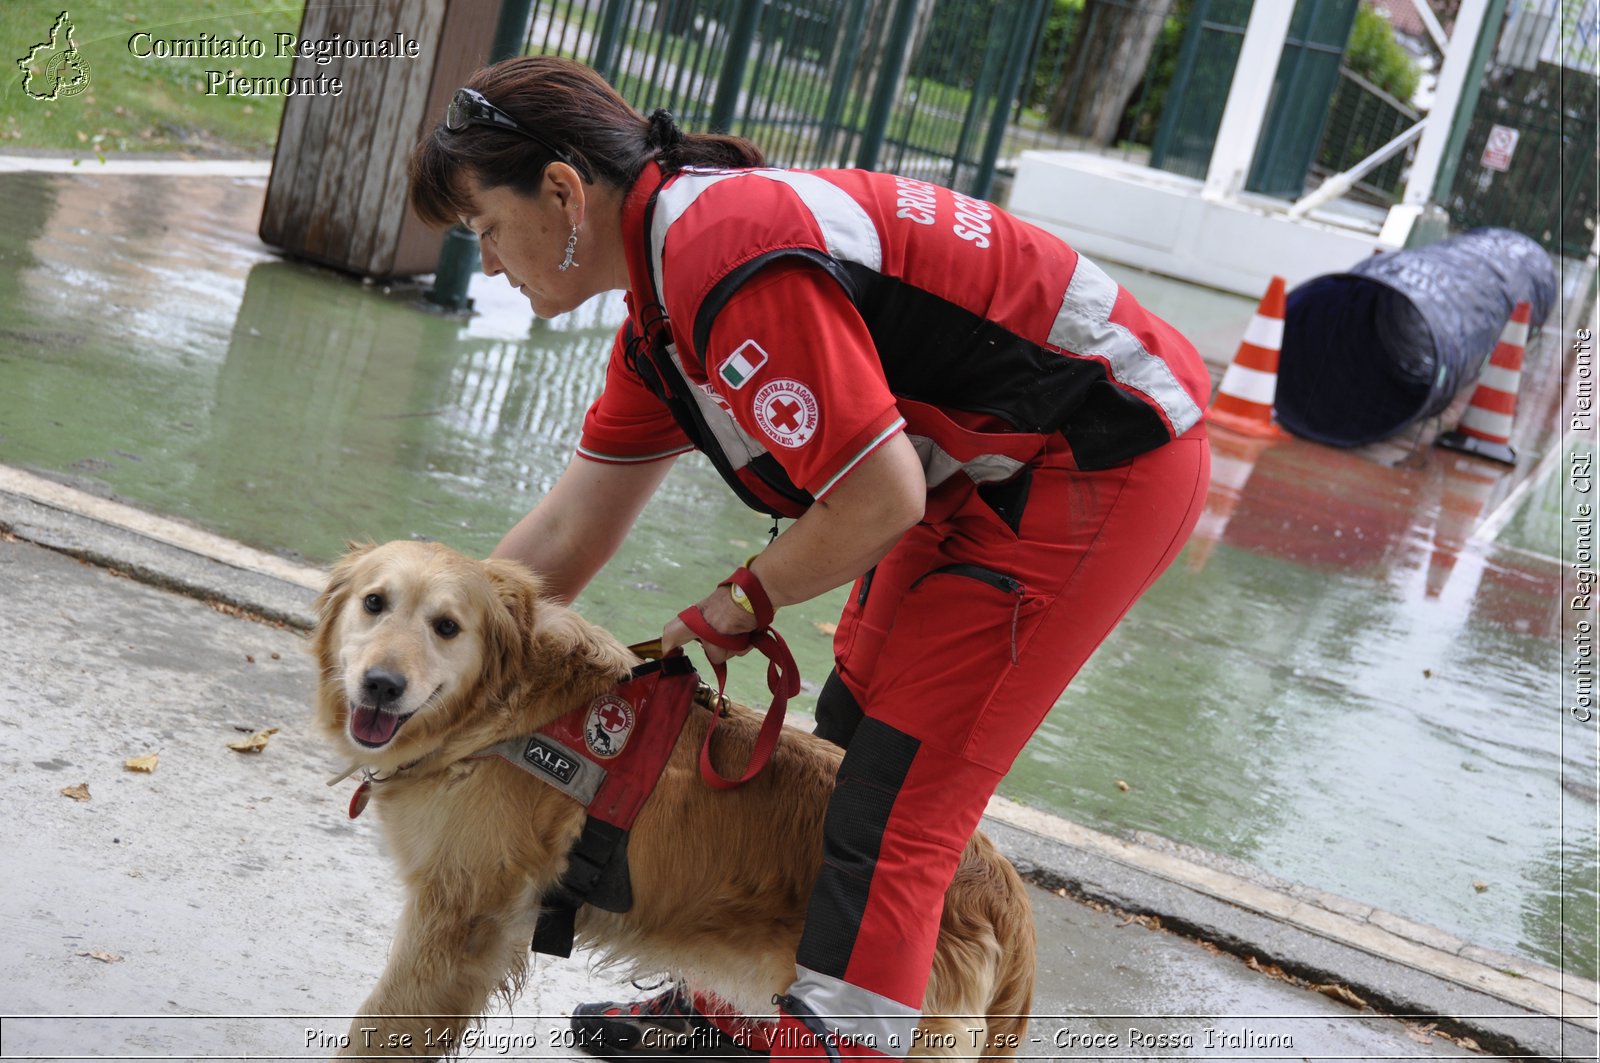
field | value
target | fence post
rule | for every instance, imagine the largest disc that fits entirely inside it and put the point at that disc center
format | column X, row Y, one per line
column 741, row 35
column 458, row 258
column 1462, row 121
column 883, row 93
column 1023, row 35
column 609, row 48
column 844, row 70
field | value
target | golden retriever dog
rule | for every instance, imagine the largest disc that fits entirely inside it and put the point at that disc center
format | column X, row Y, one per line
column 427, row 657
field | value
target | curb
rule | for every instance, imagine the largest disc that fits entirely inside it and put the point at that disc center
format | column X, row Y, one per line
column 10, row 163
column 1507, row 1004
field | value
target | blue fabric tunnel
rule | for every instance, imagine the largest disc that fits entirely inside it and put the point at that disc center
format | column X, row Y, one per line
column 1370, row 352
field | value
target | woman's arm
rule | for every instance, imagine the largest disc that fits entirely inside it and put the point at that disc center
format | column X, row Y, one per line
column 576, row 528
column 836, row 540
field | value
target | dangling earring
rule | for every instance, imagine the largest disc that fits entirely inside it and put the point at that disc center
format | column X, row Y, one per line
column 572, row 246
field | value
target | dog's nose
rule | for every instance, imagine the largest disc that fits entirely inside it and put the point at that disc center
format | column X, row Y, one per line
column 382, row 687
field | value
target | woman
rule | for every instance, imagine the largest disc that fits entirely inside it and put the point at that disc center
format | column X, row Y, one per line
column 965, row 417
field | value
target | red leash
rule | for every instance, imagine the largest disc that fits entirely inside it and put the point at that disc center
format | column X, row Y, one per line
column 783, row 680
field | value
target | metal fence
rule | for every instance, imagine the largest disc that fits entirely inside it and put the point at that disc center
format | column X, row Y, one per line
column 946, row 90
column 1547, row 185
column 952, row 91
column 1362, row 119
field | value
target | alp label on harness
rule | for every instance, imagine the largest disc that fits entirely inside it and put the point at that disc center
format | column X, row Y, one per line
column 550, row 760
column 608, row 725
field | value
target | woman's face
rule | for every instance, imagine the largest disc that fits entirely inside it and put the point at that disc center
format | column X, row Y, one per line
column 525, row 238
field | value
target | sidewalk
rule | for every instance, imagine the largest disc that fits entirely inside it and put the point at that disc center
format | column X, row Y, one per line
column 224, row 905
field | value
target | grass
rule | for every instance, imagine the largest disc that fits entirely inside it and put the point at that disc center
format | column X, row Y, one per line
column 132, row 104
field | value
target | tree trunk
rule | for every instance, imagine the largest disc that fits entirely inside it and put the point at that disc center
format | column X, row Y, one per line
column 1105, row 65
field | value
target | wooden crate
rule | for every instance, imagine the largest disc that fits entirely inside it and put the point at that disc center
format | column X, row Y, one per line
column 337, row 194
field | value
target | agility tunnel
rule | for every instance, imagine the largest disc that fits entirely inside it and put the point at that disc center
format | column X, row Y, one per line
column 1370, row 352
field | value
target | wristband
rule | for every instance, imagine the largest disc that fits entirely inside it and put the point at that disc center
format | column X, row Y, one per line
column 748, row 593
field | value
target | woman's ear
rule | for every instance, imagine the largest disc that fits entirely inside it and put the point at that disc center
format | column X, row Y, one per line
column 566, row 184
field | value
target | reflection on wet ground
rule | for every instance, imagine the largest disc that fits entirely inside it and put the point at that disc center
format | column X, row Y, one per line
column 1350, row 678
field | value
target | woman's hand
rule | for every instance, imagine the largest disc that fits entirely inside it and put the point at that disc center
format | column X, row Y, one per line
column 723, row 615
column 836, row 540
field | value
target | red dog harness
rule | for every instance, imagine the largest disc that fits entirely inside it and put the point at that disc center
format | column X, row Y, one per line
column 609, row 755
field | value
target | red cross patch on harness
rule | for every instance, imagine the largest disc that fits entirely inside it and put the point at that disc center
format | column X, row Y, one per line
column 608, row 725
column 787, row 412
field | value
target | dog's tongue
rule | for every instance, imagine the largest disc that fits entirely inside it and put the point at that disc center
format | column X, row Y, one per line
column 373, row 726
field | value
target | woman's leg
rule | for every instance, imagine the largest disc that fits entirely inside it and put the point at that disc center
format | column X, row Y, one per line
column 967, row 635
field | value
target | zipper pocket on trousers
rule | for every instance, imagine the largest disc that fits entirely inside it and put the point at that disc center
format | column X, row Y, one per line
column 998, row 580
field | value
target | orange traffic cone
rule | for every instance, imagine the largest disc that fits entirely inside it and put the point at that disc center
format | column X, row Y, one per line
column 1244, row 399
column 1485, row 429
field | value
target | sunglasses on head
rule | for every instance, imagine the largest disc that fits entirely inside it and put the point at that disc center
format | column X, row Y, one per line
column 469, row 107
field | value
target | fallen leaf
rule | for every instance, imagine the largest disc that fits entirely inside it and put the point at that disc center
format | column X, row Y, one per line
column 79, row 792
column 1341, row 993
column 102, row 955
column 1423, row 1035
column 1271, row 970
column 146, row 763
column 1122, row 786
column 255, row 743
column 1479, row 885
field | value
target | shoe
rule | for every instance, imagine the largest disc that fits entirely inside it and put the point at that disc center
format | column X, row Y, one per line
column 669, row 1025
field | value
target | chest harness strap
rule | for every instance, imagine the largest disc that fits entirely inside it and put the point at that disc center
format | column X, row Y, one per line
column 582, row 755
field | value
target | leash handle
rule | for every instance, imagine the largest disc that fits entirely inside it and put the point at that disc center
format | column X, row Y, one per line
column 749, row 584
column 783, row 682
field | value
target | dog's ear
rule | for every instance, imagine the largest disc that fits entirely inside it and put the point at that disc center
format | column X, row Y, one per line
column 329, row 603
column 331, row 599
column 509, row 627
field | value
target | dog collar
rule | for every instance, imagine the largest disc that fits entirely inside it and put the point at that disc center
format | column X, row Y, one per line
column 363, row 794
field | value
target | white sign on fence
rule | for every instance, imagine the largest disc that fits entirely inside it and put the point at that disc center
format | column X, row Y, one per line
column 1502, row 145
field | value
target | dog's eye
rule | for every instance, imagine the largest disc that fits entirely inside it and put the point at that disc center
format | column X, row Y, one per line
column 373, row 603
column 446, row 628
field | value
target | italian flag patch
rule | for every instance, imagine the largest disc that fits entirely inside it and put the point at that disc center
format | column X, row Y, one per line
column 742, row 364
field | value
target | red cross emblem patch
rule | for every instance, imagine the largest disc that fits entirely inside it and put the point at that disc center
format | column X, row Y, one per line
column 786, row 411
column 608, row 725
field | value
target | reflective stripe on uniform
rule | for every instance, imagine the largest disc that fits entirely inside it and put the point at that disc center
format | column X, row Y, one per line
column 847, row 230
column 739, row 446
column 883, row 1024
column 1084, row 326
column 938, row 465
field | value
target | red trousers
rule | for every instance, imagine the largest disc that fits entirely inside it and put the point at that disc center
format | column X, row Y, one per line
column 955, row 647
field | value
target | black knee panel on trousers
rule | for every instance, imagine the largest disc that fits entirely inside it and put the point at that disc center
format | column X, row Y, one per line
column 858, row 815
column 838, row 712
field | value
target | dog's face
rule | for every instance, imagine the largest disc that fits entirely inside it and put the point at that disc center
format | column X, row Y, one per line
column 407, row 632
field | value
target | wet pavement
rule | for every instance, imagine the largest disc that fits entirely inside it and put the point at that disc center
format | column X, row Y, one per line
column 1351, row 678
column 223, row 905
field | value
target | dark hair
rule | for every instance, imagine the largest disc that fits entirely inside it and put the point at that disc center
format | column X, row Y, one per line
column 575, row 109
